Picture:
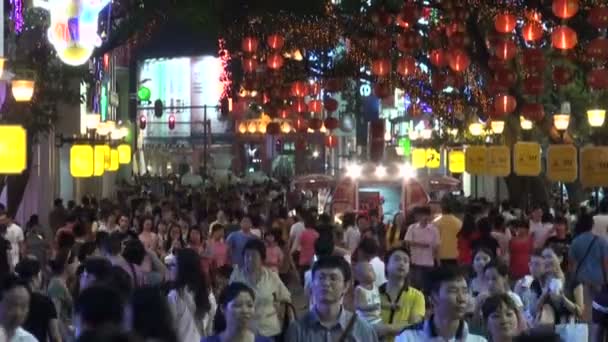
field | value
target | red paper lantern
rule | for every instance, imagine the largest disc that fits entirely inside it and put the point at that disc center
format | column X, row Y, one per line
column 249, row 65
column 315, row 124
column 283, row 113
column 534, row 59
column 275, row 61
column 315, row 106
column 598, row 17
column 495, row 87
column 504, row 104
column 534, row 85
column 331, row 123
column 564, row 38
column 314, row 89
column 438, row 81
column 458, row 60
column 505, row 22
column 299, row 106
column 408, row 40
column 301, row 125
column 598, row 79
column 598, row 49
column 330, row 104
column 438, row 58
column 299, row 89
column 382, row 90
column 565, row 8
column 275, row 41
column 533, row 111
column 495, row 63
column 562, row 75
column 532, row 31
column 249, row 44
column 331, row 141
column 505, row 49
column 273, row 128
column 406, row 66
column 381, row 67
column 410, row 13
column 505, row 78
column 381, row 44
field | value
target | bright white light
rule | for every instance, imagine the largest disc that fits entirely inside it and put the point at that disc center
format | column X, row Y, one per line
column 315, row 154
column 407, row 171
column 380, row 171
column 353, row 171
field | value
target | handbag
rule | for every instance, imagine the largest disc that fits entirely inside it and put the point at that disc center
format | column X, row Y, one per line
column 288, row 314
column 573, row 331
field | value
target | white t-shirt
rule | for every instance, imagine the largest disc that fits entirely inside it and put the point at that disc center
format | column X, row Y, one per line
column 21, row 335
column 294, row 234
column 183, row 309
column 352, row 236
column 600, row 225
column 378, row 267
column 539, row 230
column 14, row 235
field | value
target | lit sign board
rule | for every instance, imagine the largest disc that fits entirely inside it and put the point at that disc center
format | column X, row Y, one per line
column 73, row 30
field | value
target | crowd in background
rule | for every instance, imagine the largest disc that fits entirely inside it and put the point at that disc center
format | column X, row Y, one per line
column 252, row 264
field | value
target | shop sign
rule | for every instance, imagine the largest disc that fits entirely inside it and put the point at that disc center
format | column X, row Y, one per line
column 499, row 161
column 526, row 159
column 562, row 163
column 476, row 160
column 456, row 161
column 418, row 158
column 594, row 166
column 433, row 158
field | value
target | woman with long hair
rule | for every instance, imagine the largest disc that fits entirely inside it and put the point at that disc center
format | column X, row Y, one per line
column 174, row 240
column 191, row 301
column 237, row 307
column 396, row 232
column 147, row 236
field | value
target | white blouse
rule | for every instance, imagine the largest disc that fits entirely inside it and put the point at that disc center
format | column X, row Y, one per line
column 183, row 308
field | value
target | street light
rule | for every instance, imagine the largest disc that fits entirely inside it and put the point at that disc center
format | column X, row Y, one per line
column 497, row 126
column 476, row 129
column 353, row 171
column 596, row 117
column 380, row 171
column 525, row 124
column 561, row 121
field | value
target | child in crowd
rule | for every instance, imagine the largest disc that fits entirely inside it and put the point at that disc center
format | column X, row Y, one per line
column 274, row 254
column 520, row 249
column 367, row 295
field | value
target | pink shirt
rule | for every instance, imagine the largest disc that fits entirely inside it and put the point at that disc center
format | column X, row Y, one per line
column 219, row 253
column 307, row 246
column 149, row 240
column 429, row 235
column 274, row 258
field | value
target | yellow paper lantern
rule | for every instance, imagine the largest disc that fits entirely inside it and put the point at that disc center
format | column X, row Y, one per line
column 242, row 128
column 13, row 149
column 497, row 126
column 124, row 153
column 418, row 158
column 596, row 117
column 476, row 129
column 561, row 121
column 102, row 156
column 82, row 159
column 525, row 124
column 252, row 127
column 114, row 164
column 23, row 90
column 456, row 161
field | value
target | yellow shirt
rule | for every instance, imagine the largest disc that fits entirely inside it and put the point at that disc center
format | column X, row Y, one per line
column 410, row 303
column 448, row 227
column 393, row 241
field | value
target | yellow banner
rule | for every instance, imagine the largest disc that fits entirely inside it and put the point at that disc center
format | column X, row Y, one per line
column 418, row 158
column 456, row 161
column 526, row 159
column 433, row 158
column 476, row 160
column 562, row 163
column 594, row 166
column 499, row 161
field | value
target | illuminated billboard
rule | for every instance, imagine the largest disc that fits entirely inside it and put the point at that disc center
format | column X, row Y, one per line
column 182, row 82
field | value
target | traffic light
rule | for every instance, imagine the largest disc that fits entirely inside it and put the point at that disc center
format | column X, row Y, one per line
column 171, row 122
column 158, row 108
column 143, row 120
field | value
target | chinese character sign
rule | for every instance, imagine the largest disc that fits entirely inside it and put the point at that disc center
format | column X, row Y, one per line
column 594, row 166
column 562, row 163
column 499, row 161
column 476, row 160
column 526, row 159
column 73, row 30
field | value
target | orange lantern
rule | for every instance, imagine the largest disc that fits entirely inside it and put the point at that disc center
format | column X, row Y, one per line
column 532, row 31
column 458, row 60
column 299, row 89
column 565, row 8
column 564, row 38
column 406, row 66
column 381, row 67
column 331, row 141
column 299, row 106
column 598, row 17
column 275, row 61
column 315, row 106
column 437, row 58
column 505, row 22
column 533, row 111
column 275, row 41
column 505, row 49
column 504, row 104
column 250, row 65
column 250, row 44
column 331, row 123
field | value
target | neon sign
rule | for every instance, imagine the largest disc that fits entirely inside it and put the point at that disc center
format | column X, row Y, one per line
column 73, row 30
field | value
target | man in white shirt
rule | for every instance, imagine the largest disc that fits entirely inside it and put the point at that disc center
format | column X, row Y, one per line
column 14, row 235
column 368, row 252
column 449, row 294
column 600, row 221
column 14, row 305
column 539, row 231
column 295, row 231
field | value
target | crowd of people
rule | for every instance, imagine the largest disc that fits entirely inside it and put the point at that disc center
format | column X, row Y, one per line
column 250, row 266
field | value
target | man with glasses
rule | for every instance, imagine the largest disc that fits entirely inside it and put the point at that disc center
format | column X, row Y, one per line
column 327, row 320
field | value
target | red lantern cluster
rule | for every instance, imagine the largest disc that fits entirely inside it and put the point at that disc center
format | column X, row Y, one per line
column 598, row 17
column 532, row 31
column 505, row 49
column 299, row 89
column 250, row 44
column 315, row 106
column 275, row 41
column 331, row 141
column 533, row 111
column 504, row 104
column 275, row 61
column 458, row 60
column 565, row 9
column 406, row 66
column 331, row 123
column 564, row 38
column 381, row 67
column 505, row 22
